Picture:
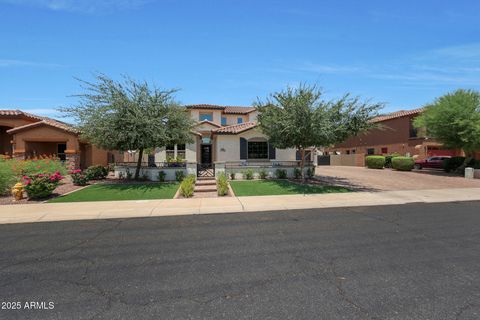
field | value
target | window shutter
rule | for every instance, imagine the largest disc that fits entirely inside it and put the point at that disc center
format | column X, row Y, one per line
column 298, row 155
column 243, row 149
column 271, row 151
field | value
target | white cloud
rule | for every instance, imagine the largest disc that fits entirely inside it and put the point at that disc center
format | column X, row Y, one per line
column 86, row 6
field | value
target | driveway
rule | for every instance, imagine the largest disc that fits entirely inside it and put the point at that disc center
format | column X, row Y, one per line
column 416, row 261
column 387, row 179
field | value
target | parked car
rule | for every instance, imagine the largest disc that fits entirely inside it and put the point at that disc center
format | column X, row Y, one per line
column 435, row 162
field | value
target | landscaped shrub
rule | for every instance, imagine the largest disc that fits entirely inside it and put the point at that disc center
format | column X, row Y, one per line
column 403, row 163
column 248, row 174
column 7, row 176
column 79, row 178
column 297, row 173
column 187, row 186
column 263, row 174
column 310, row 172
column 179, row 175
column 96, row 172
column 41, row 185
column 36, row 166
column 281, row 173
column 232, row 175
column 222, row 184
column 161, row 176
column 388, row 159
column 375, row 162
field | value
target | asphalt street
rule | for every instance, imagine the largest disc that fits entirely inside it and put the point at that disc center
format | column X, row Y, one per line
column 416, row 261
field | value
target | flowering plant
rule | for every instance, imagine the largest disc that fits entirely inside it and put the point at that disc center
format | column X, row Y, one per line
column 41, row 185
column 79, row 178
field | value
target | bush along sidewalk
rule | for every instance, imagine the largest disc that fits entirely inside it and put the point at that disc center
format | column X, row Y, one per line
column 41, row 185
column 187, row 186
column 375, row 162
column 222, row 184
column 403, row 163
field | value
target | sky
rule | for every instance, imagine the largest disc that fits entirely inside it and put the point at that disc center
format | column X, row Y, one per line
column 232, row 52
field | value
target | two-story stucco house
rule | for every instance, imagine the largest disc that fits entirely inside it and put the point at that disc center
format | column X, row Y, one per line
column 226, row 136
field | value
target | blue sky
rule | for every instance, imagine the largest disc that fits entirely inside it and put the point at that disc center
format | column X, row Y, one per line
column 404, row 53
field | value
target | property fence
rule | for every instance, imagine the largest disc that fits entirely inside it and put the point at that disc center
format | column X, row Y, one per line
column 153, row 164
column 264, row 164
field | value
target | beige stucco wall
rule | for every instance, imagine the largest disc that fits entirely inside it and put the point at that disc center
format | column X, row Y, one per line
column 228, row 147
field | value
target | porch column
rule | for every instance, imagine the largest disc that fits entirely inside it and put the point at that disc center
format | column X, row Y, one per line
column 72, row 159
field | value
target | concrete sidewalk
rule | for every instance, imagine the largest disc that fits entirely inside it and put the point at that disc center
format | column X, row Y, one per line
column 152, row 208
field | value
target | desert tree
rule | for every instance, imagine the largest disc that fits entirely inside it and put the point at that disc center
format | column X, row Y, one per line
column 300, row 118
column 129, row 115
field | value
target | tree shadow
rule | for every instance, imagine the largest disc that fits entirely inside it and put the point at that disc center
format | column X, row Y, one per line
column 343, row 182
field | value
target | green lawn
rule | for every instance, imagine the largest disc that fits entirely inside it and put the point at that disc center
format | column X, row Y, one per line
column 278, row 187
column 113, row 192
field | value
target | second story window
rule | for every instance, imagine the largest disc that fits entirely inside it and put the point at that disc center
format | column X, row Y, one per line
column 206, row 116
column 239, row 120
column 224, row 121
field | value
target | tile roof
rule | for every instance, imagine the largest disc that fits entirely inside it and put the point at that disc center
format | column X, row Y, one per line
column 397, row 114
column 225, row 109
column 236, row 128
column 209, row 122
column 40, row 120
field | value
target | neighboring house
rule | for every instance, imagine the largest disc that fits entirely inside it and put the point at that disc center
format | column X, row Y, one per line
column 226, row 136
column 396, row 134
column 26, row 136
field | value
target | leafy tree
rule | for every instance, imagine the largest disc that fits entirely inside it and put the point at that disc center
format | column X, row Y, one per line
column 454, row 120
column 299, row 118
column 129, row 115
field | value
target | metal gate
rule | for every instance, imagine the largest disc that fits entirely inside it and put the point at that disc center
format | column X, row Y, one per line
column 205, row 170
column 323, row 160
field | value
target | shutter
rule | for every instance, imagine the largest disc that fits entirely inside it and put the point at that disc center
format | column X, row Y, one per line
column 298, row 155
column 271, row 151
column 243, row 149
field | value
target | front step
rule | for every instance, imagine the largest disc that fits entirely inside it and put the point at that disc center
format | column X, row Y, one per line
column 205, row 178
column 207, row 188
column 206, row 182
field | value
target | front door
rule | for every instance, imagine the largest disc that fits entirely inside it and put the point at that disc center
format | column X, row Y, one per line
column 206, row 153
column 206, row 168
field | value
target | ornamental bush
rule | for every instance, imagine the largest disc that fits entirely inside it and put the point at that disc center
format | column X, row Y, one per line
column 161, row 176
column 45, row 165
column 263, row 174
column 375, row 162
column 281, row 173
column 79, row 178
column 96, row 172
column 403, row 163
column 388, row 159
column 222, row 184
column 297, row 173
column 41, row 185
column 232, row 175
column 7, row 176
column 179, row 175
column 248, row 174
column 187, row 186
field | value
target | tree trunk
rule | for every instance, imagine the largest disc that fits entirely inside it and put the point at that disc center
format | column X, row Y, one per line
column 468, row 159
column 139, row 163
column 302, row 163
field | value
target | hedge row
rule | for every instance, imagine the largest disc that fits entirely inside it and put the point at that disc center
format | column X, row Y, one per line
column 396, row 162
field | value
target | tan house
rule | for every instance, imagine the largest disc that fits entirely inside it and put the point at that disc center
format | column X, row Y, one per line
column 396, row 134
column 226, row 138
column 25, row 136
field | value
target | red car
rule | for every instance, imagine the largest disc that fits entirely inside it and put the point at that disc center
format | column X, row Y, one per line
column 435, row 162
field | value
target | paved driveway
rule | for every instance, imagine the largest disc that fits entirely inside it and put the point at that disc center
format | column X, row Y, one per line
column 387, row 179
